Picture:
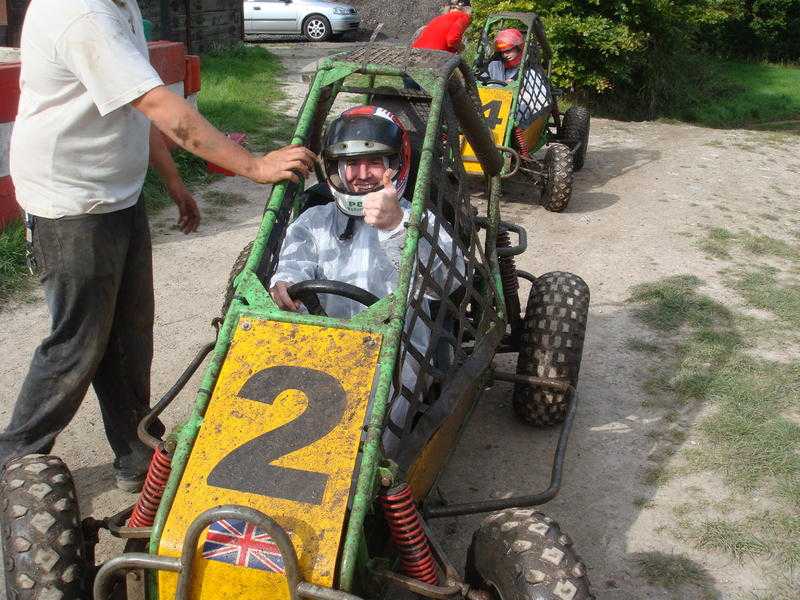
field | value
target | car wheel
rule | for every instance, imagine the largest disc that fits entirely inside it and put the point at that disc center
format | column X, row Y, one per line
column 523, row 555
column 551, row 346
column 316, row 28
column 43, row 542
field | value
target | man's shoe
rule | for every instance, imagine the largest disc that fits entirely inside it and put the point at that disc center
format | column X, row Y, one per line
column 130, row 482
column 130, row 472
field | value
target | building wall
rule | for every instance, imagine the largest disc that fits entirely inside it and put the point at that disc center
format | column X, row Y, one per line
column 209, row 24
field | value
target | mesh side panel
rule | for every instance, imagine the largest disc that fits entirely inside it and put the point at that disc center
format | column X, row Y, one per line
column 451, row 300
column 269, row 262
column 535, row 97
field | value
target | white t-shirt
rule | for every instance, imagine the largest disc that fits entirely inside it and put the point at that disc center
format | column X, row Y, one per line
column 78, row 146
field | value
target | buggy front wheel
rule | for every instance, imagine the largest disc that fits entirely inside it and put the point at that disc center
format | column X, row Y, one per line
column 557, row 183
column 43, row 542
column 576, row 133
column 553, row 331
column 523, row 555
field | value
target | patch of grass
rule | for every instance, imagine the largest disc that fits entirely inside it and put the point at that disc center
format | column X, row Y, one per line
column 766, row 245
column 747, row 94
column 224, row 199
column 643, row 503
column 750, row 438
column 240, row 92
column 720, row 241
column 732, row 538
column 638, row 345
column 13, row 267
column 673, row 302
column 671, row 571
column 656, row 474
column 762, row 289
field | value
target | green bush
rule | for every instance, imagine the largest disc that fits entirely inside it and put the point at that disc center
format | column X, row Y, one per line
column 751, row 29
column 631, row 54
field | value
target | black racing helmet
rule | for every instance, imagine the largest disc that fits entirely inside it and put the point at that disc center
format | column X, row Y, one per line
column 364, row 131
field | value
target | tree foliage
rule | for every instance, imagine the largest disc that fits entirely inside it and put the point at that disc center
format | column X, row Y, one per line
column 645, row 55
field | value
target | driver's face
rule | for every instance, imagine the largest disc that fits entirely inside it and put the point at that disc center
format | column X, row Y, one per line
column 510, row 54
column 364, row 173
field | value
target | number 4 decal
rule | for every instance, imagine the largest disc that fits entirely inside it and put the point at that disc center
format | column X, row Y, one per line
column 250, row 469
column 491, row 112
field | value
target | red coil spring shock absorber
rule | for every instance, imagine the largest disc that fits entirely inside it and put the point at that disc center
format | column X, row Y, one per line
column 144, row 513
column 408, row 536
column 508, row 273
column 522, row 143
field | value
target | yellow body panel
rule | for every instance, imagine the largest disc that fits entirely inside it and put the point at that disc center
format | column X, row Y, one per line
column 534, row 131
column 426, row 468
column 303, row 480
column 496, row 106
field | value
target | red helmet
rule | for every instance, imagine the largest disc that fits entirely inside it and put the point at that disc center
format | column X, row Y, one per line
column 365, row 131
column 508, row 39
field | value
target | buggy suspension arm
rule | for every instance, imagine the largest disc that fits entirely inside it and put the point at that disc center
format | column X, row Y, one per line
column 483, row 506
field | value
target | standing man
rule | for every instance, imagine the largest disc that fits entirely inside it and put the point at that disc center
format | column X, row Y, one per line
column 446, row 31
column 90, row 111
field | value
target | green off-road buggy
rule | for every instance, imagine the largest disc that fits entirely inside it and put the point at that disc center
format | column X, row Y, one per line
column 524, row 116
column 277, row 485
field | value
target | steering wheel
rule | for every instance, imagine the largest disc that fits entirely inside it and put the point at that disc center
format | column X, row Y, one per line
column 486, row 80
column 306, row 292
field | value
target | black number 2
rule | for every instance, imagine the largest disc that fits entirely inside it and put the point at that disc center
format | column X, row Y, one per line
column 249, row 468
column 493, row 117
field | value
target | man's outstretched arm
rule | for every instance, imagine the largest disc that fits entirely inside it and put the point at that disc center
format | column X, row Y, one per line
column 187, row 128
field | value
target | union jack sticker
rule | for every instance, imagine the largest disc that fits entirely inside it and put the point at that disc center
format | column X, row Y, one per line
column 240, row 543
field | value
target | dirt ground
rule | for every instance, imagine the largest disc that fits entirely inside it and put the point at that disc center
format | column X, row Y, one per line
column 648, row 190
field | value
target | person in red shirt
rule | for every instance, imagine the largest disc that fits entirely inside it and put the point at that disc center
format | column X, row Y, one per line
column 445, row 31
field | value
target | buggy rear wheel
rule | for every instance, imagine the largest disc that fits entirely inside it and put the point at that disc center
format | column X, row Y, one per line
column 576, row 132
column 551, row 345
column 43, row 543
column 557, row 183
column 523, row 555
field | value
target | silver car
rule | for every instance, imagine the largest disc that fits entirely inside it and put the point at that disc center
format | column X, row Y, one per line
column 317, row 20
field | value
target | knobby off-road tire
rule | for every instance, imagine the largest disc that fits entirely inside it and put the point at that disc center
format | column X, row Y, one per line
column 557, row 184
column 238, row 267
column 576, row 131
column 551, row 345
column 523, row 555
column 42, row 537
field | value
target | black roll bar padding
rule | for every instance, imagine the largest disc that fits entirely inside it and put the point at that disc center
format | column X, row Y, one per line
column 491, row 505
column 541, row 37
column 470, row 118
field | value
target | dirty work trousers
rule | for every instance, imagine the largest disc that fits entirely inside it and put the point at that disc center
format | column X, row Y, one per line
column 97, row 275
